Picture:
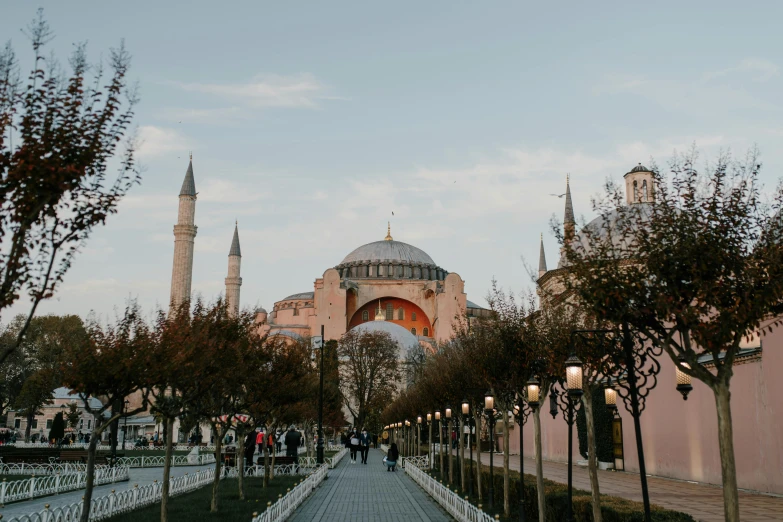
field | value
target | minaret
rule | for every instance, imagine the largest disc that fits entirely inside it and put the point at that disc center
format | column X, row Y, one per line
column 569, row 223
column 541, row 259
column 233, row 281
column 184, row 235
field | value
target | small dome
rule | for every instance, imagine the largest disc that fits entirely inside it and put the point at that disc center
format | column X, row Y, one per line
column 404, row 339
column 261, row 310
column 612, row 224
column 640, row 168
column 389, row 250
column 301, row 295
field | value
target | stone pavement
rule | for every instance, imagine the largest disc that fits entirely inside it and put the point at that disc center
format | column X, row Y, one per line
column 140, row 476
column 702, row 501
column 359, row 492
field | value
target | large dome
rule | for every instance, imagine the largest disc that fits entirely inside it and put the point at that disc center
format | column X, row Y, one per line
column 390, row 259
column 389, row 251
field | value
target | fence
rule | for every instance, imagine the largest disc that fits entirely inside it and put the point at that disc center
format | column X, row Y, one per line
column 159, row 461
column 24, row 468
column 460, row 509
column 283, row 508
column 310, row 462
column 123, row 502
column 58, row 483
column 420, row 462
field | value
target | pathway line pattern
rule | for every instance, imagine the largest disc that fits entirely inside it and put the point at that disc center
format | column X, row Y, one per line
column 368, row 493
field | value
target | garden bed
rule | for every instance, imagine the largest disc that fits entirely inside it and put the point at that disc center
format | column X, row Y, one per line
column 195, row 505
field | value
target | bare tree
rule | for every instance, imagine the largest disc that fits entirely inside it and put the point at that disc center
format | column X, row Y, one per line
column 369, row 370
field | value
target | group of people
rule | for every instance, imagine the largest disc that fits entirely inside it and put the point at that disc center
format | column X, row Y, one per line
column 358, row 442
column 273, row 442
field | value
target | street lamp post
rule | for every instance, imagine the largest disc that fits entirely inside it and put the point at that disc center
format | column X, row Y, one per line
column 440, row 443
column 430, row 454
column 448, row 442
column 532, row 390
column 574, row 389
column 466, row 412
column 489, row 410
column 319, row 449
column 418, row 441
column 125, row 405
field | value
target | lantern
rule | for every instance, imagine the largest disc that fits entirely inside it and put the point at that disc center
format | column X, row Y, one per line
column 683, row 379
column 533, row 388
column 574, row 376
column 465, row 407
column 489, row 401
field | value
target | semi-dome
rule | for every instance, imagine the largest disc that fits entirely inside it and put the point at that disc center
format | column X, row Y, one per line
column 301, row 295
column 639, row 168
column 404, row 339
column 390, row 259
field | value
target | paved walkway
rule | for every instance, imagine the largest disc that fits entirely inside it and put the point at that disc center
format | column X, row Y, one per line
column 359, row 493
column 702, row 501
column 140, row 476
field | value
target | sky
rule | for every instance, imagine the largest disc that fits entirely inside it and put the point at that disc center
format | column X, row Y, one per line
column 311, row 122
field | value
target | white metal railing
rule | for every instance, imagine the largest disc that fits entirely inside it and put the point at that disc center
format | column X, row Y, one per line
column 57, row 483
column 159, row 461
column 385, row 448
column 421, row 462
column 310, row 462
column 333, row 461
column 460, row 509
column 283, row 508
column 128, row 446
column 122, row 502
column 24, row 468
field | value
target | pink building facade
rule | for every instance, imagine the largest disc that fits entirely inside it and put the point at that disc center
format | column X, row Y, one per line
column 679, row 437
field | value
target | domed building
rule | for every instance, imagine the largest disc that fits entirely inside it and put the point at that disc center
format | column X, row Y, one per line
column 385, row 280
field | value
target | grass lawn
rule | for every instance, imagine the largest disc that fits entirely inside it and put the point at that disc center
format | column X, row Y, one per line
column 195, row 505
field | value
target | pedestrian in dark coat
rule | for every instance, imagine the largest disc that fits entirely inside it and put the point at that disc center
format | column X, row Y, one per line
column 391, row 458
column 364, row 444
column 250, row 448
column 292, row 440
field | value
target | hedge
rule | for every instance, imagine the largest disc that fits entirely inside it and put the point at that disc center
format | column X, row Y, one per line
column 613, row 509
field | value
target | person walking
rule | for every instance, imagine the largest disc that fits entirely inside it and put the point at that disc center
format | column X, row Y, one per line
column 279, row 441
column 292, row 440
column 353, row 439
column 270, row 442
column 364, row 444
column 391, row 457
column 250, row 448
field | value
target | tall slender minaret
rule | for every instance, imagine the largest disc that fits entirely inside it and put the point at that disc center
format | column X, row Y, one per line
column 184, row 236
column 233, row 281
column 541, row 259
column 569, row 223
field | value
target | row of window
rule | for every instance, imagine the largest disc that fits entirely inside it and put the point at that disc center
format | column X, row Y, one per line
column 18, row 424
column 644, row 195
column 389, row 314
column 425, row 332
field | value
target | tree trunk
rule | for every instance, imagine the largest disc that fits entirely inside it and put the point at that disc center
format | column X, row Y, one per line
column 506, row 474
column 477, row 419
column 429, row 447
column 87, row 502
column 462, row 454
column 266, row 462
column 272, row 467
column 241, row 461
column 728, row 466
column 539, row 465
column 592, row 453
column 216, row 481
column 168, row 424
column 28, row 428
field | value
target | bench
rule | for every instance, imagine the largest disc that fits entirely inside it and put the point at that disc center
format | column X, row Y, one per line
column 279, row 461
column 82, row 455
column 28, row 458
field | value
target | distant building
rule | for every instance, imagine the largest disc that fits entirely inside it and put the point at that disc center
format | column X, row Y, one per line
column 42, row 424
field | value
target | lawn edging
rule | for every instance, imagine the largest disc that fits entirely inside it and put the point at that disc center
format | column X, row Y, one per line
column 459, row 508
column 57, row 482
column 286, row 505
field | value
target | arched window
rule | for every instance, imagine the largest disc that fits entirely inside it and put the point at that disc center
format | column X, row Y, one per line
column 400, row 314
column 296, row 311
column 644, row 190
column 635, row 191
column 413, row 316
column 365, row 315
column 389, row 312
column 413, row 331
column 426, row 332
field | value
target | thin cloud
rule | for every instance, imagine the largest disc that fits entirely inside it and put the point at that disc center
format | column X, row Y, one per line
column 299, row 91
column 157, row 141
column 759, row 69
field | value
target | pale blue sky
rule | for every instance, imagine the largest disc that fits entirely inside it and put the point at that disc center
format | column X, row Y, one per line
column 311, row 122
